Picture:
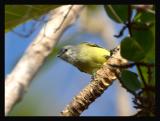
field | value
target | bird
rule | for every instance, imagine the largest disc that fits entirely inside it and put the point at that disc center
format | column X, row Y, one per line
column 87, row 57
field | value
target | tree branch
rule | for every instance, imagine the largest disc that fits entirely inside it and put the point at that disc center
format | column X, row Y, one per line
column 101, row 81
column 20, row 78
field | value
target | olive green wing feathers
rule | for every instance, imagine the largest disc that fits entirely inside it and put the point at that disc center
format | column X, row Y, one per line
column 91, row 44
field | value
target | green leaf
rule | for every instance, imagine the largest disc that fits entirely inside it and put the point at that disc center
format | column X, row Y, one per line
column 144, row 21
column 144, row 37
column 131, row 49
column 146, row 75
column 130, row 81
column 18, row 14
column 143, row 31
column 119, row 13
column 150, row 57
column 144, row 17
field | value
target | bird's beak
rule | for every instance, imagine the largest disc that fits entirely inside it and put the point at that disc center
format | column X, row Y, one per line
column 60, row 53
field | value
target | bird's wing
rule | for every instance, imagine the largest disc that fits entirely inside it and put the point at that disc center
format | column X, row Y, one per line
column 92, row 44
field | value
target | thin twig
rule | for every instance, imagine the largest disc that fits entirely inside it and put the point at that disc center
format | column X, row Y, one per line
column 149, row 73
column 121, row 32
column 126, row 25
column 141, row 75
column 129, row 20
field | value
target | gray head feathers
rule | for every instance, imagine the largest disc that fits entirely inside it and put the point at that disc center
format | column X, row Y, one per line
column 68, row 53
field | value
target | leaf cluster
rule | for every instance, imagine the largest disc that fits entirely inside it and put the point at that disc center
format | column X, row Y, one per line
column 138, row 48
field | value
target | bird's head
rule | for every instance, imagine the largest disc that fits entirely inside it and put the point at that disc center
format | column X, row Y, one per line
column 68, row 53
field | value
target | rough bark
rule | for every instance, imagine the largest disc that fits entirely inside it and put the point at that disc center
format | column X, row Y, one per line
column 100, row 82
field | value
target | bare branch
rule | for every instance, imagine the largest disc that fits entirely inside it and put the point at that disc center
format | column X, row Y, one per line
column 101, row 81
column 20, row 78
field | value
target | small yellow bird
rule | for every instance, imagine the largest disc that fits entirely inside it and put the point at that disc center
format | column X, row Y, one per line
column 87, row 57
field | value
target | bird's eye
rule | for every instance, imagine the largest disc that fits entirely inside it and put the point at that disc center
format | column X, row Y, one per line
column 64, row 50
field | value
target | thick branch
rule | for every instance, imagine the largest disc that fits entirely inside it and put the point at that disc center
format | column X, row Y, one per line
column 102, row 80
column 19, row 79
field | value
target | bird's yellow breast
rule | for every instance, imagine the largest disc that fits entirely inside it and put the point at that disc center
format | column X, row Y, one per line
column 91, row 57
